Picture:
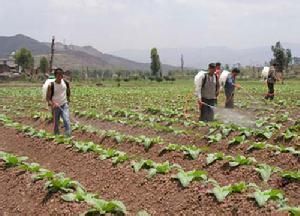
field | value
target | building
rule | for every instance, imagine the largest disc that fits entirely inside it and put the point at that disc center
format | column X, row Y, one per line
column 7, row 65
column 296, row 60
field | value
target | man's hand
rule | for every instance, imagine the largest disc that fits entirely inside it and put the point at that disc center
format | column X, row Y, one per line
column 238, row 86
column 200, row 103
column 53, row 104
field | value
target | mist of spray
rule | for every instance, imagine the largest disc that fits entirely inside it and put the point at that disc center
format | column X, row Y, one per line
column 234, row 117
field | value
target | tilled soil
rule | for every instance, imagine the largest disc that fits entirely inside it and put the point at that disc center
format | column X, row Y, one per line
column 19, row 195
column 159, row 196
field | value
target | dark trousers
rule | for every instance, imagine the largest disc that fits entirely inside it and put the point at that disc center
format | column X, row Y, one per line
column 270, row 94
column 229, row 103
column 206, row 112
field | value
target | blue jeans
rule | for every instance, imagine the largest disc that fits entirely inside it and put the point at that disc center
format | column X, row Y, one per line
column 62, row 111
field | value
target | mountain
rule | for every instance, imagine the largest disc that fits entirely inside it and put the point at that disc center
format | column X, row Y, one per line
column 200, row 57
column 71, row 56
column 10, row 44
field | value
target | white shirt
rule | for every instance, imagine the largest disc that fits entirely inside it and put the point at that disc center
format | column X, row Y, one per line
column 60, row 93
column 198, row 83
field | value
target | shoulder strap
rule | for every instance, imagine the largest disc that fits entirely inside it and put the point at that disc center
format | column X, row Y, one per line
column 204, row 80
column 52, row 90
column 68, row 90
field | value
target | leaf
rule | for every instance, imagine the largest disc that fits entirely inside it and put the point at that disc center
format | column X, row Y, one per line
column 294, row 211
column 192, row 151
column 238, row 187
column 241, row 160
column 237, row 140
column 221, row 192
column 258, row 145
column 262, row 197
column 214, row 138
column 185, row 178
column 31, row 167
column 265, row 171
column 212, row 157
column 292, row 175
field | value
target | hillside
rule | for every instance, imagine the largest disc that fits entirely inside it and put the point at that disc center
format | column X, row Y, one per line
column 70, row 56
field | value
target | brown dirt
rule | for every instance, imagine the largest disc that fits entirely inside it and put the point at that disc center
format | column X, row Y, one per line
column 159, row 196
column 19, row 195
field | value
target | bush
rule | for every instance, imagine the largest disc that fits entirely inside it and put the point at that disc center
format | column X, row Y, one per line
column 159, row 79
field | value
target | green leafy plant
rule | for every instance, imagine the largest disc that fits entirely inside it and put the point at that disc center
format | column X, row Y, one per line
column 291, row 175
column 214, row 138
column 103, row 207
column 257, row 146
column 241, row 160
column 154, row 168
column 11, row 160
column 237, row 140
column 60, row 183
column 212, row 157
column 222, row 192
column 266, row 171
column 78, row 196
column 294, row 211
column 185, row 178
column 262, row 197
column 31, row 167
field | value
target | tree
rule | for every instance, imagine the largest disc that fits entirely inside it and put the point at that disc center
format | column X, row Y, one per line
column 24, row 58
column 289, row 58
column 282, row 57
column 44, row 65
column 227, row 67
column 155, row 63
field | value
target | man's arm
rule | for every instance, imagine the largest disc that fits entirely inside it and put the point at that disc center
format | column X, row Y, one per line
column 48, row 95
column 198, row 87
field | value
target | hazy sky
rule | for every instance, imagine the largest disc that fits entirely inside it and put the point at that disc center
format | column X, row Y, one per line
column 140, row 24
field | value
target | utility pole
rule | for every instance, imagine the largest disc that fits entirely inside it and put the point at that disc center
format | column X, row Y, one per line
column 52, row 55
column 182, row 63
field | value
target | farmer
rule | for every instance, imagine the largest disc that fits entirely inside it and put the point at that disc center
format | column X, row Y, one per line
column 207, row 90
column 271, row 79
column 229, row 88
column 218, row 69
column 58, row 96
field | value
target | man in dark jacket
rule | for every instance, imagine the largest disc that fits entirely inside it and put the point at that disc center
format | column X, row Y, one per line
column 271, row 80
column 229, row 88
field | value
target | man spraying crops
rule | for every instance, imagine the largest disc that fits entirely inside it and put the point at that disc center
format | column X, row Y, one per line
column 230, row 86
column 58, row 96
column 207, row 90
column 271, row 80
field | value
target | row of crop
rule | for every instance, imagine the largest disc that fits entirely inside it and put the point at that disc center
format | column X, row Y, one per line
column 162, row 168
column 117, row 156
column 72, row 190
column 189, row 150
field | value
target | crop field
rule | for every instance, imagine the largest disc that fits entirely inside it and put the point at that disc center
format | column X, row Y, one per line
column 139, row 149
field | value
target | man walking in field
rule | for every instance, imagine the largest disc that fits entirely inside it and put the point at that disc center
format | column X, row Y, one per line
column 207, row 90
column 58, row 96
column 229, row 88
column 271, row 80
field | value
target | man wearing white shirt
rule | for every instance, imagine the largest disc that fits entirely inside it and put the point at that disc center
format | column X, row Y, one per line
column 58, row 97
column 207, row 90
